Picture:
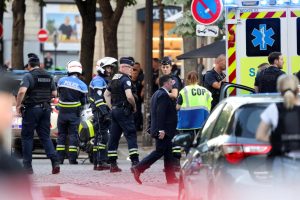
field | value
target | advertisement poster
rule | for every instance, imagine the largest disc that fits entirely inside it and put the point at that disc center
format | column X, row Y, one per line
column 63, row 21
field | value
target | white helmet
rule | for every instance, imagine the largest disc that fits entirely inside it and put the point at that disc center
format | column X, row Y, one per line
column 106, row 61
column 74, row 67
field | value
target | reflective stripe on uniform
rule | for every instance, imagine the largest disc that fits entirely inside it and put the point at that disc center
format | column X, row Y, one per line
column 133, row 151
column 112, row 154
column 69, row 104
column 91, row 128
column 72, row 149
column 176, row 149
column 101, row 146
column 60, row 147
column 101, row 103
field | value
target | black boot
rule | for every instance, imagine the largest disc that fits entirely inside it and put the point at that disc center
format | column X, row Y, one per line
column 103, row 166
column 136, row 174
column 55, row 166
column 114, row 168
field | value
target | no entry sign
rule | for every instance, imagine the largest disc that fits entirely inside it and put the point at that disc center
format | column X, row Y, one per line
column 43, row 35
column 206, row 11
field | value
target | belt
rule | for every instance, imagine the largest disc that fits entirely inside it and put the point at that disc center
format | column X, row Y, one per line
column 118, row 106
column 35, row 106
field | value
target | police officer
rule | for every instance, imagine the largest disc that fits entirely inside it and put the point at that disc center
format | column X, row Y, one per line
column 213, row 79
column 120, row 99
column 166, row 68
column 33, row 102
column 267, row 78
column 101, row 112
column 72, row 96
column 193, row 103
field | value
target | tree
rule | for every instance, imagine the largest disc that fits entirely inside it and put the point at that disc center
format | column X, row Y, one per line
column 3, row 4
column 18, row 9
column 17, row 50
column 186, row 27
column 111, row 19
column 87, row 9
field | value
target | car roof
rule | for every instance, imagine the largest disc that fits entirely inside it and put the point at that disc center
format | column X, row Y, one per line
column 254, row 98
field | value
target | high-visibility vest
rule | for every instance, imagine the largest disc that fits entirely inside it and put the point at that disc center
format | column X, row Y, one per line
column 195, row 108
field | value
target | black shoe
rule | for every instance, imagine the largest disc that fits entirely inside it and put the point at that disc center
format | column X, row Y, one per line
column 28, row 170
column 114, row 168
column 103, row 166
column 173, row 181
column 55, row 169
column 73, row 162
column 136, row 175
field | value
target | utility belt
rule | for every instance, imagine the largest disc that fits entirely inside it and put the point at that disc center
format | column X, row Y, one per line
column 44, row 105
column 125, row 106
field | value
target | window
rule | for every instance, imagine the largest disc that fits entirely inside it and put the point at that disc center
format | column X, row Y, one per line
column 247, row 119
column 223, row 121
column 210, row 123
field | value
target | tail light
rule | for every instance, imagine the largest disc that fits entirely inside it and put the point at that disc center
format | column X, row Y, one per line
column 234, row 153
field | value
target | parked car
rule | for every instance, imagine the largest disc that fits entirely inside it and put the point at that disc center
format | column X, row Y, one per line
column 226, row 161
column 17, row 121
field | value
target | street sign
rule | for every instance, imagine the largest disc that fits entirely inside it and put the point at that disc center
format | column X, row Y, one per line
column 207, row 31
column 206, row 12
column 42, row 35
column 1, row 30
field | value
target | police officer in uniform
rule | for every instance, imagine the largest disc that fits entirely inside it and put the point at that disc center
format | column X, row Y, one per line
column 280, row 125
column 33, row 102
column 72, row 97
column 166, row 68
column 101, row 112
column 213, row 79
column 267, row 78
column 193, row 105
column 120, row 99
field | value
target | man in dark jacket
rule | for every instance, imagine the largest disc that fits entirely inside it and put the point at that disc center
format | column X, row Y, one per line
column 163, row 128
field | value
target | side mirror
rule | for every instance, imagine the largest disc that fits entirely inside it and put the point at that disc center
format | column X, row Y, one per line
column 183, row 140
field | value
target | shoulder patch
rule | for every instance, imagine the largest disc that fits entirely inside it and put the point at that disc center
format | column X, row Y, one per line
column 128, row 83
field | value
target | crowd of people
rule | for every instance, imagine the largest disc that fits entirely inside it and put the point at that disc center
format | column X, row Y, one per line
column 116, row 103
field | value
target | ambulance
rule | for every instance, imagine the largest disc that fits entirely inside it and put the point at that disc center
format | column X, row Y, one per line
column 255, row 28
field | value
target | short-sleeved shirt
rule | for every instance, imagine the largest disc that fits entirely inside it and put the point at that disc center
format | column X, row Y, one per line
column 28, row 82
column 212, row 76
column 270, row 116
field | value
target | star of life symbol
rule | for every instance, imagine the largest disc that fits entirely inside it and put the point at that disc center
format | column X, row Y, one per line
column 263, row 37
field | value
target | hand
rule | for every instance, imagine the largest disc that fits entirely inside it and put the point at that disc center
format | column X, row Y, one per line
column 161, row 135
column 18, row 110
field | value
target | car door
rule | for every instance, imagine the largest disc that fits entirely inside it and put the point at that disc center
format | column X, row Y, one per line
column 232, row 89
column 197, row 166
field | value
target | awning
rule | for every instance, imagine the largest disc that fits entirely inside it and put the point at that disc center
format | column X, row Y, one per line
column 212, row 50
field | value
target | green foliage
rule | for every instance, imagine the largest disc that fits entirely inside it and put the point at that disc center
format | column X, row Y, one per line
column 185, row 26
column 177, row 2
column 130, row 3
column 4, row 5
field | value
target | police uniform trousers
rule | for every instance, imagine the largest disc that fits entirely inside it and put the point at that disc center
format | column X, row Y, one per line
column 162, row 148
column 67, row 124
column 122, row 122
column 101, row 127
column 36, row 118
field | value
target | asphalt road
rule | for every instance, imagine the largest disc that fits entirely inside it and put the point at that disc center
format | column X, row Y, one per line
column 82, row 182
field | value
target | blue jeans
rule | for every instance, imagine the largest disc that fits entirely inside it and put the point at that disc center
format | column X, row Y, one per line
column 36, row 119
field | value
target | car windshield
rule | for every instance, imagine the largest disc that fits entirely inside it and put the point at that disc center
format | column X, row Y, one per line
column 247, row 119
